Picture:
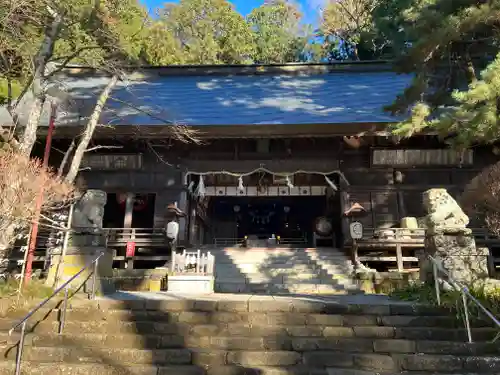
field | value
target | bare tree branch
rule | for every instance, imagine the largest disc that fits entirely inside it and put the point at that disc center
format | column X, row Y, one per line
column 66, row 157
column 89, row 130
column 99, row 147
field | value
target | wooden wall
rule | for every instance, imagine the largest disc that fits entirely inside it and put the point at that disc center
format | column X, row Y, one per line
column 388, row 192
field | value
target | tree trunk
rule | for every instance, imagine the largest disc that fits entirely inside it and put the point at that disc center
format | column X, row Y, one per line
column 29, row 135
column 66, row 157
column 89, row 131
column 38, row 83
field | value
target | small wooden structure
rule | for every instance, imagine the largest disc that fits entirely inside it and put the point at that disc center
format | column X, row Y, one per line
column 397, row 247
column 394, row 246
column 194, row 262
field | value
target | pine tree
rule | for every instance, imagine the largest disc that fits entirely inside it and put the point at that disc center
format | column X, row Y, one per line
column 449, row 43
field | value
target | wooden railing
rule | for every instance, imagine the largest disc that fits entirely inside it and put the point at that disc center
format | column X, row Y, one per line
column 392, row 245
column 379, row 245
column 285, row 241
column 143, row 237
column 228, row 241
column 485, row 238
column 194, row 262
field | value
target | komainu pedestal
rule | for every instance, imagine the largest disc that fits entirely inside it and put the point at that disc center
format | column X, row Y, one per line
column 449, row 240
column 85, row 242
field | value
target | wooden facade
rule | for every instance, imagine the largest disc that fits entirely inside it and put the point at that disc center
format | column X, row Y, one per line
column 368, row 165
column 385, row 177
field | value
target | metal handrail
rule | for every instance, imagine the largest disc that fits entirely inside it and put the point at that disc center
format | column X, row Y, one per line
column 62, row 317
column 464, row 291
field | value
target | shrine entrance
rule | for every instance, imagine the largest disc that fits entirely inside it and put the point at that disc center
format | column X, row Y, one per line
column 262, row 205
column 289, row 218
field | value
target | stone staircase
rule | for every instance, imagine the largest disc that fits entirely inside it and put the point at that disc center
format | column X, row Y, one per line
column 282, row 270
column 248, row 336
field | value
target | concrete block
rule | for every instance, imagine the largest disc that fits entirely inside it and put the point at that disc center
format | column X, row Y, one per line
column 190, row 284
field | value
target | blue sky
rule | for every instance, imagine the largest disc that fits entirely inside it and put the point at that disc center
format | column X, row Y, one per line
column 310, row 8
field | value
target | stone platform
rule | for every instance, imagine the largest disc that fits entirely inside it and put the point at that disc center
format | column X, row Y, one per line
column 161, row 333
column 355, row 299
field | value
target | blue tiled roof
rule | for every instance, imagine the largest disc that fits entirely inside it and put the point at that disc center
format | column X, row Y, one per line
column 337, row 97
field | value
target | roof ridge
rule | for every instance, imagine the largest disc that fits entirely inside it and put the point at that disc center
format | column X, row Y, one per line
column 253, row 69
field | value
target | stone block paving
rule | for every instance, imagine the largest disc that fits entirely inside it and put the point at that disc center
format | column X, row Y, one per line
column 172, row 334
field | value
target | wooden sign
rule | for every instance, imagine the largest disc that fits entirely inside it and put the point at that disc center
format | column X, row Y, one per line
column 130, row 249
column 356, row 230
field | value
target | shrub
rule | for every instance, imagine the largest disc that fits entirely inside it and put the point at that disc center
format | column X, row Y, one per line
column 21, row 180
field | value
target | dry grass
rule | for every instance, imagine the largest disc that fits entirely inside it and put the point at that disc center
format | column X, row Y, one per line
column 30, row 295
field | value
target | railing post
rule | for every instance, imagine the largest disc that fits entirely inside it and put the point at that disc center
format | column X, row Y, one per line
column 62, row 319
column 436, row 281
column 466, row 313
column 132, row 237
column 94, row 279
column 20, row 347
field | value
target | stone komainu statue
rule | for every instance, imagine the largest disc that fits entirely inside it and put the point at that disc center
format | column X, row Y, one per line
column 88, row 212
column 443, row 212
column 449, row 241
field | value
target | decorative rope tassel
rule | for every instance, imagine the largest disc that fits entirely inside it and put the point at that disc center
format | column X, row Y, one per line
column 191, row 187
column 288, row 182
column 200, row 190
column 241, row 187
column 330, row 182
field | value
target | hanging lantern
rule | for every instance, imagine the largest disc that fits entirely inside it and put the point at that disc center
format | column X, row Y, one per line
column 121, row 198
column 141, row 202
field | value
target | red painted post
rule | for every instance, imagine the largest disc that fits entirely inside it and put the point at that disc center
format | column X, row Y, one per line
column 39, row 199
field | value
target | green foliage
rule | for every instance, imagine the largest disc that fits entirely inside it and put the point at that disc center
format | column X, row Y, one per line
column 348, row 25
column 16, row 88
column 109, row 33
column 102, row 34
column 159, row 46
column 278, row 34
column 426, row 294
column 474, row 117
column 445, row 44
column 208, row 32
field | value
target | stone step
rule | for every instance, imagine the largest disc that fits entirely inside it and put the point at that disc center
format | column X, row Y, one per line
column 110, row 368
column 284, row 280
column 280, row 269
column 30, row 368
column 87, row 317
column 247, row 303
column 297, row 339
column 273, row 288
column 281, row 259
column 266, row 326
column 125, row 358
column 318, row 277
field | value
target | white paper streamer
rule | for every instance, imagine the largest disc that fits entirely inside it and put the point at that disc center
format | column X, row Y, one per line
column 191, row 187
column 288, row 182
column 200, row 190
column 241, row 188
column 330, row 182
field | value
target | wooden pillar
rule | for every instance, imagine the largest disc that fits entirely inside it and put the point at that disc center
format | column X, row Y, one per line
column 344, row 206
column 127, row 223
column 192, row 227
column 129, row 210
column 399, row 258
column 398, row 179
column 183, row 206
